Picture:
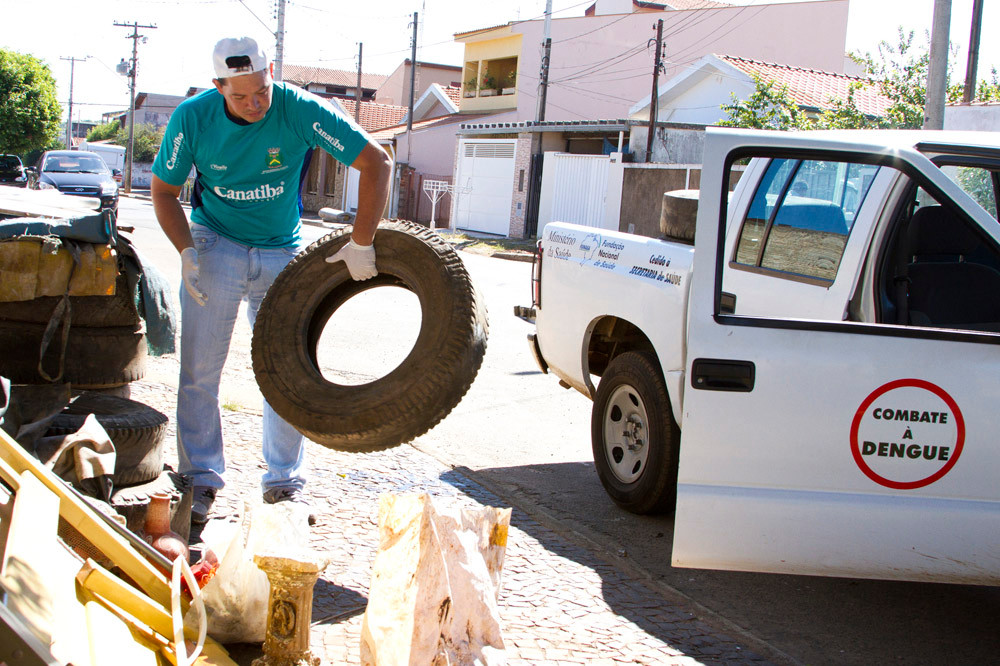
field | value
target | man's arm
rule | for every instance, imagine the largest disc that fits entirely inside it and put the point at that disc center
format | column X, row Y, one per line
column 170, row 214
column 373, row 191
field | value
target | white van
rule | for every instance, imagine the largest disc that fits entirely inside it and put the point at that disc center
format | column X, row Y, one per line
column 114, row 156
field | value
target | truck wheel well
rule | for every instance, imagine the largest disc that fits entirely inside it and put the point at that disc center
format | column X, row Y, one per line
column 611, row 337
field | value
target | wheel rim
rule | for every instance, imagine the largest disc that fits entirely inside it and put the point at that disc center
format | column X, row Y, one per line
column 626, row 437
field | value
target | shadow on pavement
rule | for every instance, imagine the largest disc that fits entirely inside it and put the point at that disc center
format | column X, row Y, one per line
column 811, row 619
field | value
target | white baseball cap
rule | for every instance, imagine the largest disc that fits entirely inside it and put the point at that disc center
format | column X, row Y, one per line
column 237, row 56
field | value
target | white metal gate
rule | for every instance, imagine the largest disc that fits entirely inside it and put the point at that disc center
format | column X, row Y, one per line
column 486, row 176
column 578, row 189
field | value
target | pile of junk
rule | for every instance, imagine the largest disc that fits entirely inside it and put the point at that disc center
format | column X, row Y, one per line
column 91, row 517
column 95, row 565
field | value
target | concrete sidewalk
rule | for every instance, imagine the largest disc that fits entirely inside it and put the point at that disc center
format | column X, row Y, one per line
column 559, row 603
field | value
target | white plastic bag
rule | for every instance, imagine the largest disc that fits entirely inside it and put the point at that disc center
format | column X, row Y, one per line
column 435, row 580
column 236, row 597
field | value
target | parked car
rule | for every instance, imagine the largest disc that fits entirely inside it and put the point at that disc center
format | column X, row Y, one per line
column 12, row 171
column 79, row 173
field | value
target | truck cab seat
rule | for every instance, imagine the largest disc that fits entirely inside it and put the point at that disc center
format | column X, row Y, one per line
column 945, row 289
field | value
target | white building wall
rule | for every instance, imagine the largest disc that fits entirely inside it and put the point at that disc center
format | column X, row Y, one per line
column 806, row 34
column 975, row 117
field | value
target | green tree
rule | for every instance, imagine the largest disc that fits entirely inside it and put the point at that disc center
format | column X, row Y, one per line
column 145, row 142
column 103, row 132
column 900, row 72
column 29, row 109
column 768, row 107
column 146, row 139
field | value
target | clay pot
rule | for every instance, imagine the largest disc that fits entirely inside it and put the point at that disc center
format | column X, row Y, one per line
column 157, row 529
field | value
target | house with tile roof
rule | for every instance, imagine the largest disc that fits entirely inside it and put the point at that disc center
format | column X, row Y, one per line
column 332, row 82
column 600, row 64
column 697, row 94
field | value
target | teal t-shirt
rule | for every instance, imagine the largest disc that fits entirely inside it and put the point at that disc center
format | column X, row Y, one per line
column 249, row 175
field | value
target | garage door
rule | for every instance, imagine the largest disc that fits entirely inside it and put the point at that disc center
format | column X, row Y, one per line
column 485, row 183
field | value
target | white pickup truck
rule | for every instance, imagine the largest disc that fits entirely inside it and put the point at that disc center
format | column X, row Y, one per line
column 812, row 384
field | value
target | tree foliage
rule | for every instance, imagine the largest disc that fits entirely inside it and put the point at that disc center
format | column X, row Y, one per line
column 29, row 109
column 900, row 72
column 103, row 132
column 146, row 139
column 768, row 107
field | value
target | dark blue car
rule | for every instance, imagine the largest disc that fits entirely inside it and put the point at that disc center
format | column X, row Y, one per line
column 79, row 173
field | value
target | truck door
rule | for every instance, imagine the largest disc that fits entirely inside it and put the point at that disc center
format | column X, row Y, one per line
column 862, row 444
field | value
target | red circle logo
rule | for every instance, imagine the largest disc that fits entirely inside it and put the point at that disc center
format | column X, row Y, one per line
column 907, row 434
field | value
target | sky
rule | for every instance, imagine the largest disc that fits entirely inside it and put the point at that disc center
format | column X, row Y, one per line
column 176, row 54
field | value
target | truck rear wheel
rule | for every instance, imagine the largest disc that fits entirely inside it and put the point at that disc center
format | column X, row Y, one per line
column 634, row 435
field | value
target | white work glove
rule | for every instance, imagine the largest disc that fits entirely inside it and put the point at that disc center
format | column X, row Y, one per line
column 190, row 273
column 360, row 260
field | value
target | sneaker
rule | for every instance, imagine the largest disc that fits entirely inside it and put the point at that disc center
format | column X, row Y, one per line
column 275, row 495
column 201, row 504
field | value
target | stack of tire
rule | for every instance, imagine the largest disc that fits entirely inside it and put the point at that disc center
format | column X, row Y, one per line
column 105, row 346
column 105, row 350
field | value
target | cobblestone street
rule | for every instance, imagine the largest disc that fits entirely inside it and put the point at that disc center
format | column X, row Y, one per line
column 558, row 603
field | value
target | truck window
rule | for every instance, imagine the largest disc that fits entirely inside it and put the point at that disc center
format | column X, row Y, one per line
column 801, row 216
column 946, row 271
column 980, row 183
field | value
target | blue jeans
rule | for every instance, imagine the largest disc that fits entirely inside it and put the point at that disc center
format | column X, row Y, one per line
column 229, row 273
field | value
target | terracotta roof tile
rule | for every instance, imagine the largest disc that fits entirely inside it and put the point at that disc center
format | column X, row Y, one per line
column 302, row 76
column 815, row 88
column 465, row 33
column 453, row 93
column 374, row 116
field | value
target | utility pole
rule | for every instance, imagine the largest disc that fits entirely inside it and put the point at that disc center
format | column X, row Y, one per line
column 357, row 119
column 543, row 76
column 279, row 41
column 531, row 199
column 69, row 120
column 654, row 96
column 413, row 83
column 357, row 94
column 937, row 67
column 131, row 105
column 969, row 93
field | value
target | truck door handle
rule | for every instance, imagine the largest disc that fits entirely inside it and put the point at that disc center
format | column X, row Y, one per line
column 711, row 374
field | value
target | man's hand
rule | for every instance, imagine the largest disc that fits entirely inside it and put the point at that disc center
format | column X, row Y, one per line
column 190, row 273
column 360, row 260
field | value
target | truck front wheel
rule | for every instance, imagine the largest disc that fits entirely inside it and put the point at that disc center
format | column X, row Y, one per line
column 634, row 435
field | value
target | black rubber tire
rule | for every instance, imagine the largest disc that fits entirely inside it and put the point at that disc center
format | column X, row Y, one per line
column 632, row 390
column 413, row 397
column 132, row 502
column 135, row 429
column 95, row 357
column 87, row 311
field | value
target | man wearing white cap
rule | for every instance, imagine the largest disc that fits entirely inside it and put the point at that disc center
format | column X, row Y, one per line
column 248, row 140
